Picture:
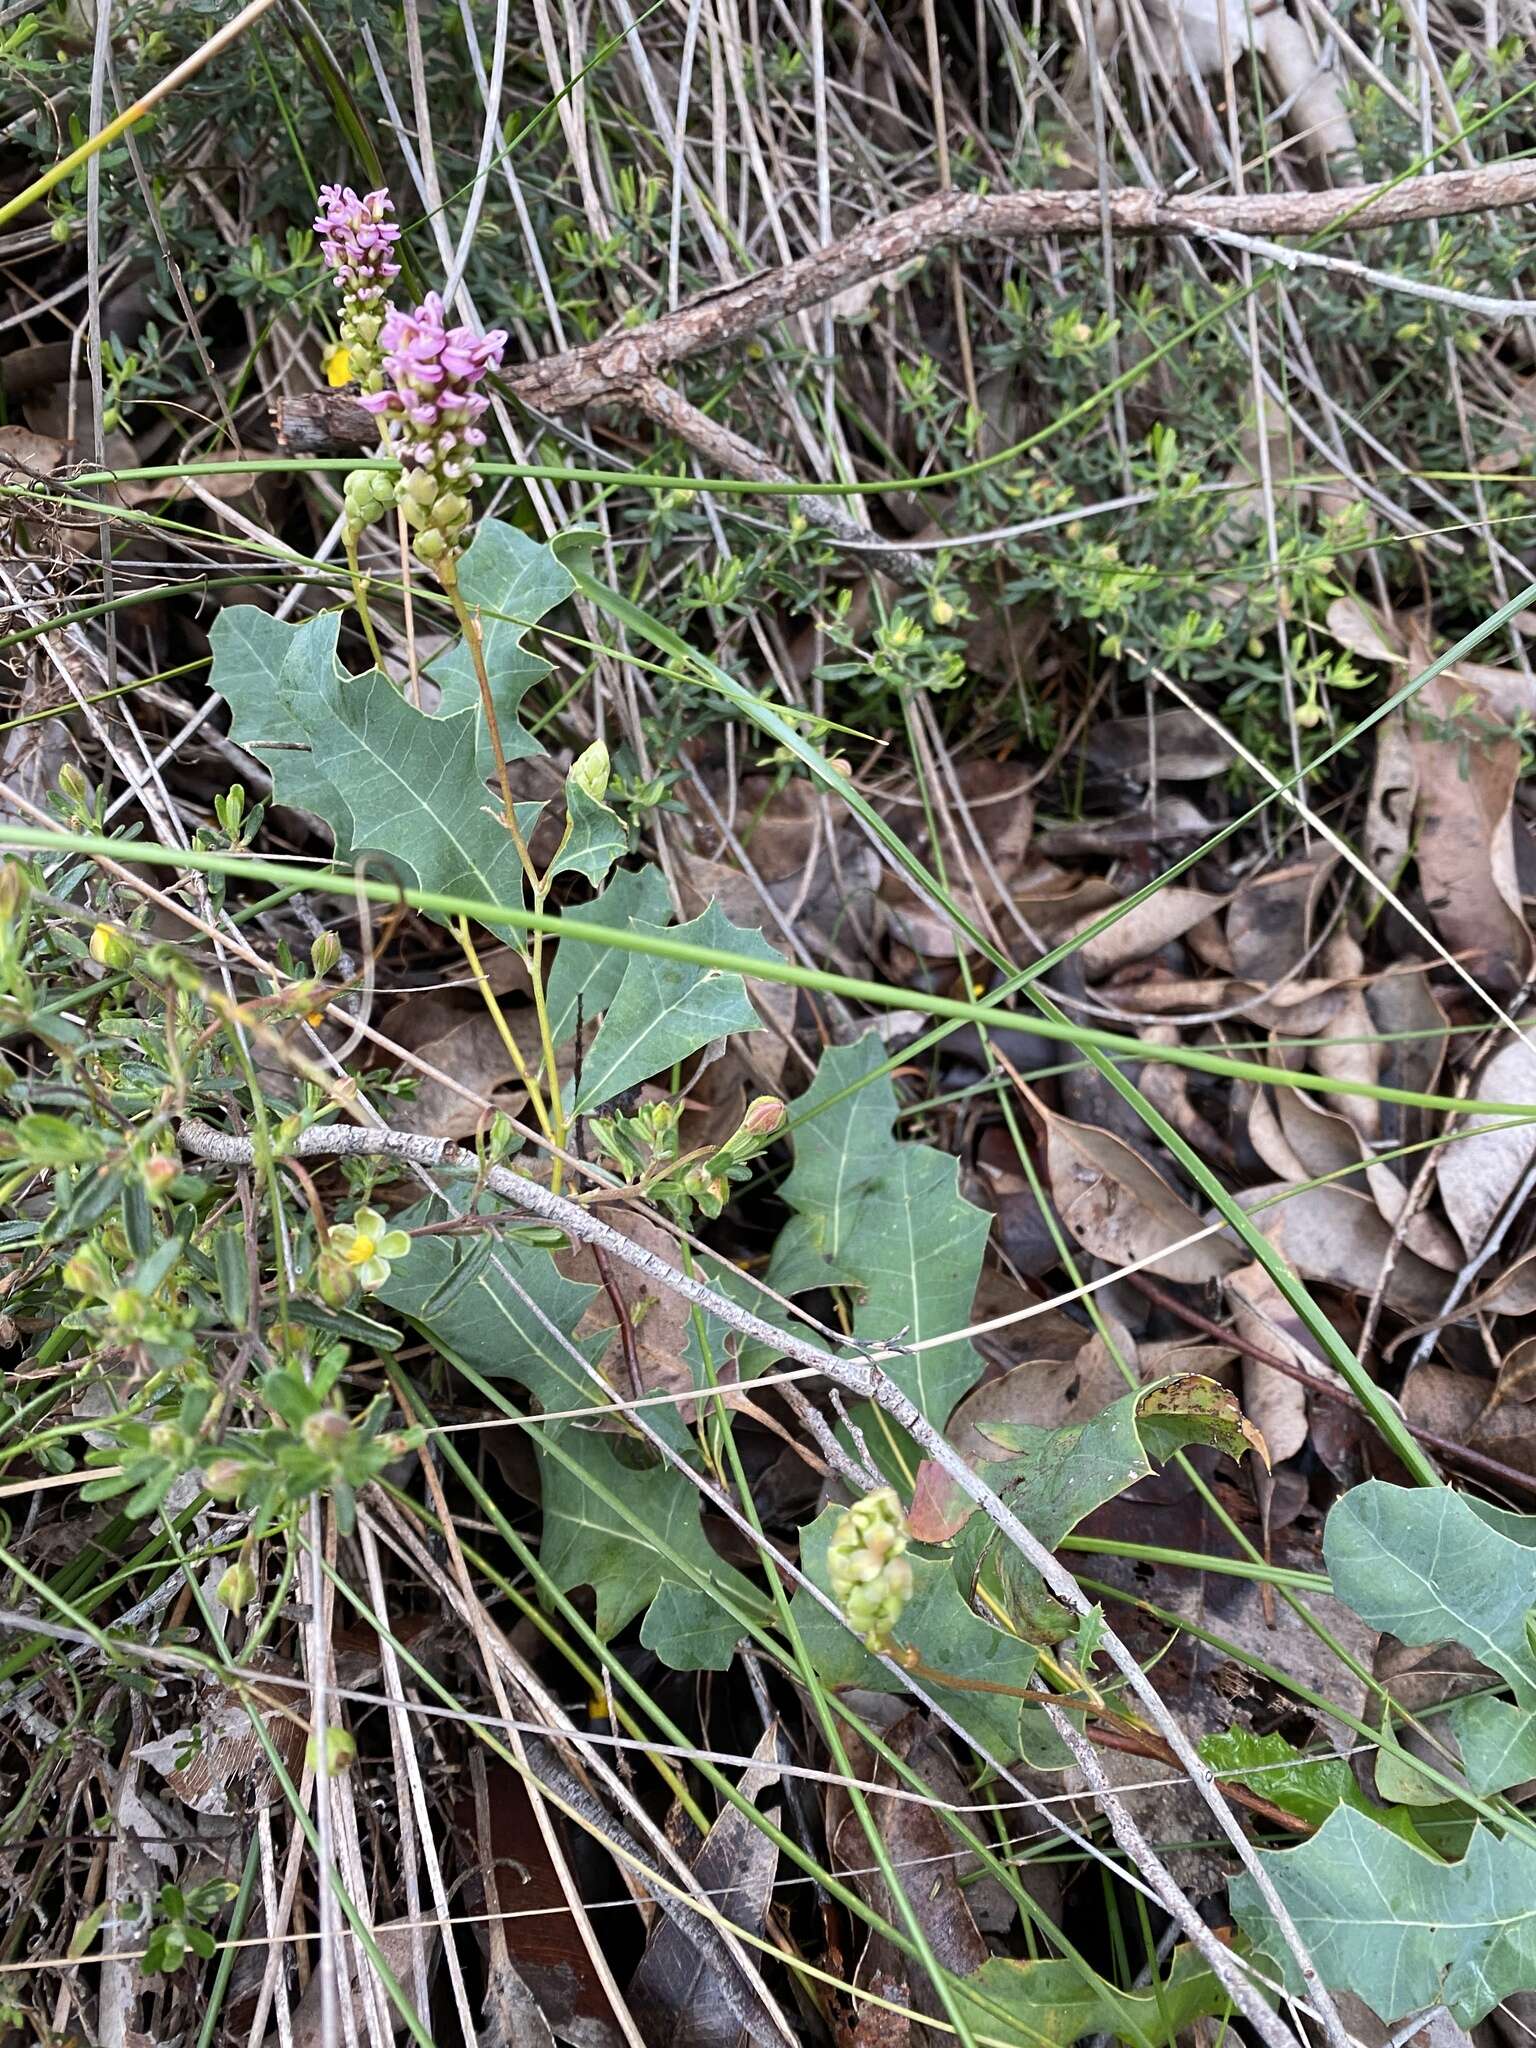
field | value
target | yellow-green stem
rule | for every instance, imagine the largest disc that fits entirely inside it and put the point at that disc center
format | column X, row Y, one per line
column 469, row 625
column 504, row 1030
column 360, row 599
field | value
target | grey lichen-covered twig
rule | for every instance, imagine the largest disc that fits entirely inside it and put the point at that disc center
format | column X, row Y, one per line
column 860, row 1375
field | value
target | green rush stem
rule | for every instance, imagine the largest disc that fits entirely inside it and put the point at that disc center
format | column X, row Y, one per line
column 321, row 881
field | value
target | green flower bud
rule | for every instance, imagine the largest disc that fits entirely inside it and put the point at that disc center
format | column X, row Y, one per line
column 325, row 1432
column 111, row 948
column 324, row 952
column 237, row 1588
column 869, row 1577
column 340, row 1752
column 449, row 512
column 158, row 1172
column 429, row 545
column 126, row 1308
column 87, row 1272
column 225, row 1479
column 590, row 771
column 367, row 495
column 74, row 784
column 168, row 1442
column 335, row 1281
column 14, row 891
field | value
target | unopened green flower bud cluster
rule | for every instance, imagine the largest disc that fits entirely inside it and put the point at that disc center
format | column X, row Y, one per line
column 869, row 1574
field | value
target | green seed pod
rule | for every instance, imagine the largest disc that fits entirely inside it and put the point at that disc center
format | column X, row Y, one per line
column 870, row 1577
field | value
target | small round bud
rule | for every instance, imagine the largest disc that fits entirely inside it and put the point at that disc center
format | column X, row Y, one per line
column 73, row 784
column 765, row 1115
column 941, row 611
column 429, row 545
column 111, row 948
column 225, row 1479
column 158, row 1172
column 325, row 1433
column 335, row 1281
column 167, row 1441
column 590, row 771
column 87, row 1272
column 324, row 952
column 126, row 1308
column 340, row 1752
column 237, row 1588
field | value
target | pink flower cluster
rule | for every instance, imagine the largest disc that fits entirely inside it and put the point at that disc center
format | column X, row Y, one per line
column 429, row 407
column 356, row 241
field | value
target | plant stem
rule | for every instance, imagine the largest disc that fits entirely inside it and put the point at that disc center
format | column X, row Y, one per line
column 360, row 599
column 504, row 1031
column 469, row 625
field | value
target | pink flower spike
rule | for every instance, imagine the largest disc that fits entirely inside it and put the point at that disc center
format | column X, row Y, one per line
column 429, row 407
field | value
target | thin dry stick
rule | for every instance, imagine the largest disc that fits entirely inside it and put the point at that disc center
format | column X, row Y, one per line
column 615, row 365
column 864, row 1382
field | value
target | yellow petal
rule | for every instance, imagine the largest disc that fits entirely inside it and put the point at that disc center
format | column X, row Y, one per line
column 338, row 366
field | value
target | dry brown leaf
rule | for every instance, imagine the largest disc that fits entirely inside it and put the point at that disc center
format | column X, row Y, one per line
column 1120, row 1209
column 464, row 1044
column 1338, row 1237
column 1180, row 744
column 1463, row 1409
column 923, row 1853
column 659, row 1319
column 1390, row 806
column 1046, row 1393
column 1146, row 929
column 1477, row 1175
column 1264, row 1318
column 1271, row 921
column 676, row 1991
column 1465, row 843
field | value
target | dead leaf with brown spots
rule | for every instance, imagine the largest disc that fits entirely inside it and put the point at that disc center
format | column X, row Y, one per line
column 1120, row 1209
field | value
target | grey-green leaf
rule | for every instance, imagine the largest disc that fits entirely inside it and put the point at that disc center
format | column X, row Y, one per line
column 884, row 1217
column 1397, row 1926
column 1423, row 1565
column 663, row 1010
column 588, row 968
column 621, row 1529
column 509, row 582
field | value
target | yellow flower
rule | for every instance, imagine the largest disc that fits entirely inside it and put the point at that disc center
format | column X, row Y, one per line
column 367, row 1245
column 338, row 366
